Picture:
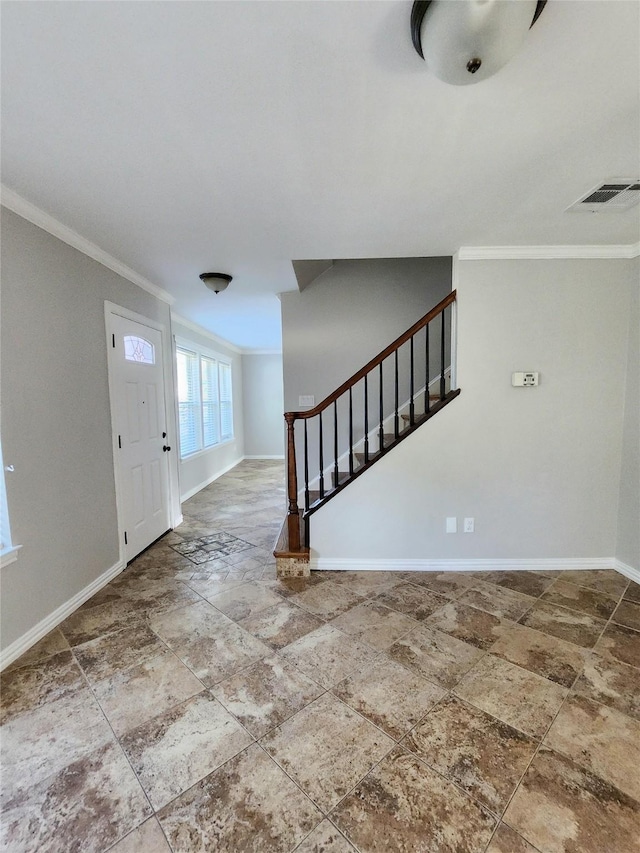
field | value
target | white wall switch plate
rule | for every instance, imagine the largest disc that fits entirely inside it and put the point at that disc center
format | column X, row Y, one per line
column 469, row 525
column 523, row 379
column 306, row 401
column 452, row 525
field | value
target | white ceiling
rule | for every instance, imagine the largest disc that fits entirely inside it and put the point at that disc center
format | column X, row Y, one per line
column 184, row 137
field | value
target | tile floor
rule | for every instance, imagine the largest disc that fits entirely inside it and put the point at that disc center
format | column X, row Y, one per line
column 197, row 703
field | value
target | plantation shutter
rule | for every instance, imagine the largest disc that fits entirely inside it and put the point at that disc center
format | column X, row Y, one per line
column 210, row 409
column 189, row 401
column 226, row 402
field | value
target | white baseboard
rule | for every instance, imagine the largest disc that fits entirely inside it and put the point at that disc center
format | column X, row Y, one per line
column 263, row 457
column 24, row 643
column 627, row 571
column 551, row 564
column 209, row 480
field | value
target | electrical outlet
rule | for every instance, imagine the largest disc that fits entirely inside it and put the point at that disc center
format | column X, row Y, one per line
column 524, row 380
column 469, row 525
column 452, row 525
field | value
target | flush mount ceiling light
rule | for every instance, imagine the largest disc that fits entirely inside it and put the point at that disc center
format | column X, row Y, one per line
column 466, row 41
column 216, row 281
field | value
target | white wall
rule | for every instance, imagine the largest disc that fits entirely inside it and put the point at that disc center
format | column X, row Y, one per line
column 197, row 471
column 56, row 423
column 538, row 469
column 628, row 541
column 263, row 397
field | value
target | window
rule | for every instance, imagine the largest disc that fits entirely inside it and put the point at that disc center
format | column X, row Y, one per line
column 8, row 551
column 139, row 349
column 205, row 404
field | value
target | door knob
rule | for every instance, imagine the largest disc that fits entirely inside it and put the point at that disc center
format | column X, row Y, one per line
column 166, row 447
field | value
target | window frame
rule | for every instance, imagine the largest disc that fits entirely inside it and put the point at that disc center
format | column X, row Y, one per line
column 220, row 361
column 8, row 551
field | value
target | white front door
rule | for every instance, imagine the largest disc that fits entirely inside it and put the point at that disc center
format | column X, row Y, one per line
column 138, row 404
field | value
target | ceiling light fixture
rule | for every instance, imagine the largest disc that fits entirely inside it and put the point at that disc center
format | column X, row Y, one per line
column 466, row 41
column 216, row 281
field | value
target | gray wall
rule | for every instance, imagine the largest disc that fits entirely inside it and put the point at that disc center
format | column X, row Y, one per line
column 202, row 468
column 538, row 469
column 349, row 314
column 56, row 426
column 628, row 544
column 263, row 405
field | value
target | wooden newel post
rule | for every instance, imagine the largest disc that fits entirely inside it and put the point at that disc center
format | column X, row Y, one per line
column 293, row 515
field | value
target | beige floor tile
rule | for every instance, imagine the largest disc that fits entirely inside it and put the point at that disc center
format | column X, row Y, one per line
column 628, row 614
column 580, row 598
column 632, row 593
column 550, row 657
column 498, row 600
column 213, row 584
column 281, row 624
column 367, row 584
column 53, row 643
column 506, row 840
column 604, row 580
column 622, row 643
column 266, row 693
column 434, row 655
column 246, row 805
column 601, row 740
column 135, row 695
column 245, row 600
column 570, row 625
column 373, row 623
column 89, row 622
column 108, row 654
column 325, row 838
column 561, row 808
column 33, row 684
column 42, row 741
column 448, row 584
column 176, row 749
column 86, row 806
column 403, row 805
column 611, row 683
column 326, row 748
column 473, row 626
column 512, row 694
column 414, row 601
column 528, row 583
column 147, row 838
column 386, row 693
column 326, row 655
column 286, row 587
column 326, row 600
column 482, row 755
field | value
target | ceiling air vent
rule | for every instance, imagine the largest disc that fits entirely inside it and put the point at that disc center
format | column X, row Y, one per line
column 614, row 196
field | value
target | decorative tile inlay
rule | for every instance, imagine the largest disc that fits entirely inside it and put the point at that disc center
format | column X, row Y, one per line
column 406, row 806
column 481, row 754
column 580, row 598
column 246, row 805
column 517, row 697
column 266, row 693
column 570, row 625
column 373, row 623
column 86, row 806
column 622, row 643
column 326, row 748
column 436, row 656
column 326, row 655
column 212, row 547
column 550, row 657
column 561, row 808
column 601, row 740
column 502, row 602
column 175, row 749
column 281, row 624
column 466, row 623
column 611, row 683
column 386, row 693
column 132, row 696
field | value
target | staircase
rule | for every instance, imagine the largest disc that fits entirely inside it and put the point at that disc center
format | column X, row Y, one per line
column 394, row 394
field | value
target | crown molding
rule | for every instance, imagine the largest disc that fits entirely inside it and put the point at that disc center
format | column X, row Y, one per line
column 261, row 352
column 200, row 330
column 14, row 202
column 511, row 253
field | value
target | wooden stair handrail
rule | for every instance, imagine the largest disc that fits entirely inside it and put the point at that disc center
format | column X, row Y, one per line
column 378, row 359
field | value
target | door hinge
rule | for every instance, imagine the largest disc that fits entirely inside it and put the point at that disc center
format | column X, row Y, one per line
column 120, row 442
column 126, row 542
column 113, row 341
